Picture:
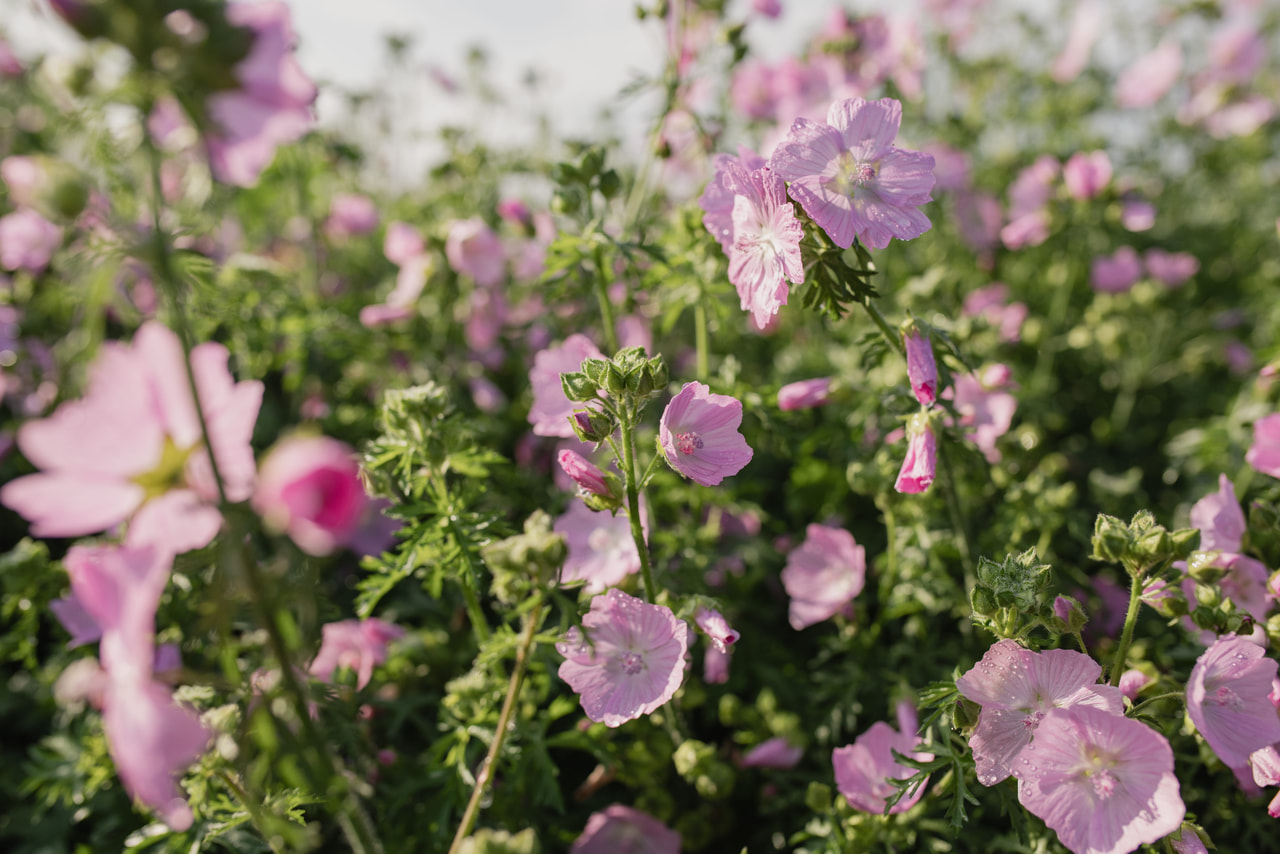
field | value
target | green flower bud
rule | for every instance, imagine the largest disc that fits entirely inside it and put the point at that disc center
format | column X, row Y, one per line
column 578, row 387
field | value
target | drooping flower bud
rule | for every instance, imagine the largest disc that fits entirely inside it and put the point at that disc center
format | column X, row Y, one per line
column 922, row 370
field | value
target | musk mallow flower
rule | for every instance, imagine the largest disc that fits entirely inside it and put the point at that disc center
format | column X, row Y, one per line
column 774, row 752
column 1016, row 689
column 1219, row 518
column 804, row 394
column 1227, row 699
column 920, row 464
column 922, row 370
column 1263, row 454
column 850, row 178
column 586, row 474
column 716, row 628
column 474, row 250
column 1117, row 273
column 823, row 576
column 602, row 551
column 622, row 830
column 985, row 408
column 863, row 769
column 718, row 196
column 765, row 254
column 699, row 435
column 550, row 412
column 627, row 660
column 1102, row 781
column 309, row 488
column 357, row 645
column 27, row 240
column 1170, row 268
column 1150, row 76
column 1086, row 174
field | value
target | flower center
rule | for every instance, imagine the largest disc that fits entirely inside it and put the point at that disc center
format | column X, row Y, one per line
column 688, row 442
column 1031, row 721
column 862, row 174
column 632, row 663
column 1104, row 783
column 1226, row 697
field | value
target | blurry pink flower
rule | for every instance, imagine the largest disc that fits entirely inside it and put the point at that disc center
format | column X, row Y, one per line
column 1263, row 454
column 1227, row 699
column 631, row 661
column 602, row 551
column 514, row 211
column 804, row 394
column 1137, row 215
column 1115, row 274
column 272, row 105
column 751, row 90
column 1086, row 175
column 350, row 214
column 120, row 589
column 716, row 628
column 132, row 446
column 989, row 304
column 584, row 473
column 24, row 177
column 357, row 645
column 850, row 178
column 549, row 414
column 402, row 243
column 1104, row 782
column 1029, row 194
column 823, row 576
column 919, row 466
column 10, row 65
column 622, row 830
column 78, row 622
column 474, row 250
column 979, row 217
column 715, row 665
column 380, row 314
column 699, row 435
column 775, row 752
column 309, row 487
column 168, row 125
column 1219, row 518
column 1086, row 26
column 716, row 200
column 951, row 167
column 1132, row 682
column 1236, row 52
column 27, row 241
column 1171, row 268
column 922, row 370
column 766, row 242
column 633, row 331
column 767, row 8
column 864, row 768
column 1240, row 118
column 1016, row 689
column 1152, row 75
column 984, row 409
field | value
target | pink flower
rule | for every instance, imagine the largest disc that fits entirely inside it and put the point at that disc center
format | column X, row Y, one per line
column 775, row 752
column 751, row 91
column 699, row 435
column 767, row 8
column 922, row 370
column 983, row 408
column 1152, row 75
column 919, row 466
column 1086, row 26
column 272, row 105
column 25, row 177
column 309, row 487
column 602, row 551
column 27, row 241
column 551, row 410
column 979, row 217
column 133, row 447
column 1116, row 273
column 1104, row 782
column 716, row 628
column 402, row 243
column 766, row 242
column 1219, row 518
column 357, row 645
column 804, row 394
column 1263, row 454
column 989, row 304
column 864, row 768
column 623, row 830
column 715, row 665
column 1227, row 699
column 10, row 65
column 120, row 589
column 851, row 179
column 78, row 622
column 823, row 576
column 1137, row 215
column 474, row 250
column 1132, row 682
column 1171, row 268
column 583, row 472
column 1016, row 689
column 716, row 200
column 350, row 214
column 1086, row 175
column 631, row 660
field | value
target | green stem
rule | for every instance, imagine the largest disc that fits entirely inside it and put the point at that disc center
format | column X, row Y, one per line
column 1157, row 698
column 1049, row 347
column 1126, row 637
column 606, row 307
column 251, row 806
column 957, row 517
column 485, row 774
column 479, row 624
column 890, row 576
column 891, row 335
column 633, row 502
column 700, row 339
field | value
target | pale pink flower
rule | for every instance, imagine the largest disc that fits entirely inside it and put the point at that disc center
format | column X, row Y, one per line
column 120, row 589
column 1016, row 689
column 1171, row 268
column 24, row 177
column 1086, row 26
column 1236, row 52
column 78, row 622
column 1029, row 195
column 1132, row 682
column 1137, row 215
column 27, row 241
column 715, row 665
column 804, row 394
column 979, row 218
column 551, row 410
column 919, row 466
column 309, row 487
column 1219, row 518
column 622, row 830
column 402, row 243
column 922, row 370
column 1103, row 782
column 1227, row 699
column 766, row 242
column 1263, row 454
column 951, row 167
column 1086, row 175
column 716, row 628
column 1240, row 118
column 1150, row 76
column 630, row 661
column 716, row 200
column 350, row 214
column 850, row 178
column 10, row 65
column 602, row 551
column 1115, row 274
column 699, row 435
column 357, row 645
column 272, row 105
column 863, row 769
column 823, row 576
column 474, row 250
column 984, row 409
column 989, row 303
column 751, row 90
column 775, row 752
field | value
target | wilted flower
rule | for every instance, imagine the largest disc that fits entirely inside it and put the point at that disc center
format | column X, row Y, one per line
column 716, row 200
column 357, row 645
column 824, row 575
column 716, row 628
column 765, row 254
column 699, row 435
column 864, row 768
column 622, row 830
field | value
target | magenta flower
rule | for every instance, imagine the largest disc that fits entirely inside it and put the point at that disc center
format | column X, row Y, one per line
column 1115, row 274
column 584, row 473
column 1263, row 454
column 699, row 435
column 630, row 661
column 850, row 178
column 1150, row 76
column 1227, row 699
column 919, row 466
column 357, row 645
column 1170, row 268
column 775, row 752
column 1086, row 175
column 271, row 107
column 716, row 628
column 551, row 410
column 864, row 768
column 922, row 370
column 1104, row 782
column 765, row 254
column 10, row 65
column 1016, row 689
column 309, row 487
column 27, row 241
column 350, row 214
column 804, row 394
column 1219, row 518
column 622, row 830
column 474, row 250
column 823, row 576
column 716, row 200
column 602, row 551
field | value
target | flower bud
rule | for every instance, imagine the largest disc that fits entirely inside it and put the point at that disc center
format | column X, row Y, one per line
column 922, row 370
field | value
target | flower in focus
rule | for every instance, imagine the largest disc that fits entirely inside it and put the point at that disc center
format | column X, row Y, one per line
column 551, row 410
column 1263, row 454
column 474, row 250
column 823, row 576
column 357, row 645
column 850, row 178
column 1086, row 175
column 765, row 254
column 1114, row 274
column 584, row 473
column 1016, row 688
column 602, row 551
column 309, row 487
column 1219, row 518
column 864, row 768
column 622, row 830
column 919, row 466
column 804, row 394
column 1227, row 699
column 922, row 370
column 627, row 660
column 699, row 435
column 717, row 199
column 1150, row 76
column 1102, row 781
column 27, row 241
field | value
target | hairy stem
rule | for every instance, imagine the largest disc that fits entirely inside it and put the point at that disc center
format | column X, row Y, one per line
column 700, row 339
column 606, row 307
column 633, row 502
column 1126, row 637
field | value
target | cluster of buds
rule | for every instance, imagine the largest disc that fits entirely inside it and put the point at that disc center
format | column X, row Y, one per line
column 1140, row 546
column 627, row 382
column 1013, row 594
